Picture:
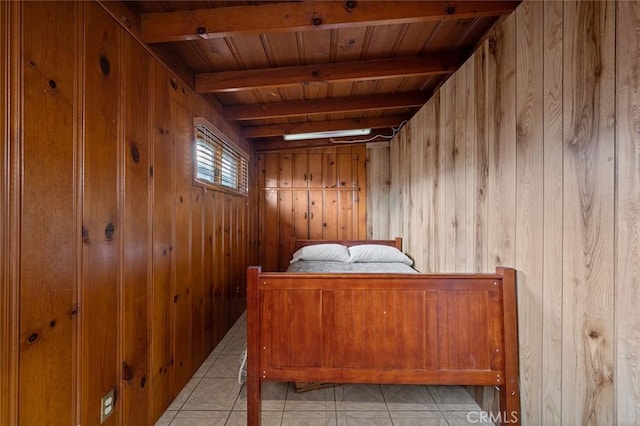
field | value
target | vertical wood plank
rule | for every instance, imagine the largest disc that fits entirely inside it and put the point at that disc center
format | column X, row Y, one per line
column 208, row 276
column 100, row 257
column 48, row 232
column 314, row 170
column 529, row 209
column 285, row 227
column 163, row 219
column 272, row 234
column 447, row 182
column 552, row 299
column 346, row 215
column 501, row 93
column 394, row 188
column 478, row 80
column 345, row 175
column 434, row 203
column 329, row 168
column 330, row 215
column 377, row 191
column 588, row 81
column 627, row 268
column 425, row 165
column 219, row 266
column 359, row 169
column 270, row 170
column 417, row 191
column 198, row 283
column 226, row 305
column 316, row 202
column 405, row 213
column 8, row 287
column 285, row 175
column 458, row 162
column 470, row 162
column 182, row 131
column 301, row 214
column 136, row 235
column 300, row 170
column 261, row 170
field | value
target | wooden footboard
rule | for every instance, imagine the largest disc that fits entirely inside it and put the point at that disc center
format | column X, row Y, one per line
column 454, row 329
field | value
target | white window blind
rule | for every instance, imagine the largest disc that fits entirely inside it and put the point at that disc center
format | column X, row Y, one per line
column 218, row 163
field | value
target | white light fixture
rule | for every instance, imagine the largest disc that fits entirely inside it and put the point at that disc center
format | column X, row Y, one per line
column 329, row 134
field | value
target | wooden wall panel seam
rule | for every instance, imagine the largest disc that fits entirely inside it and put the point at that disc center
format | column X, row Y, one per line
column 120, row 208
column 10, row 192
column 79, row 138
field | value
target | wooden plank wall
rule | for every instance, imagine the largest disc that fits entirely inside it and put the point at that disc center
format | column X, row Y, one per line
column 309, row 193
column 128, row 274
column 531, row 158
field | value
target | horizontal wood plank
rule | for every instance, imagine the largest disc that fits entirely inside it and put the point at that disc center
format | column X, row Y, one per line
column 326, row 106
column 233, row 81
column 305, row 16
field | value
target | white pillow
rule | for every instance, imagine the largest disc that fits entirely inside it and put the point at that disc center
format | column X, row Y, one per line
column 324, row 252
column 375, row 253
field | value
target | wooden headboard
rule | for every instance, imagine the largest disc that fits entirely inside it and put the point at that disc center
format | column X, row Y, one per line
column 297, row 244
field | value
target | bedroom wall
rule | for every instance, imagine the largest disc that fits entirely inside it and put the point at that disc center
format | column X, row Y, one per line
column 315, row 193
column 529, row 156
column 117, row 273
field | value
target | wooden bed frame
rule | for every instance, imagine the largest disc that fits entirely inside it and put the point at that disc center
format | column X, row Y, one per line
column 432, row 329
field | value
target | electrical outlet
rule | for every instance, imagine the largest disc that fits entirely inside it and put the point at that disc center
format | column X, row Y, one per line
column 106, row 405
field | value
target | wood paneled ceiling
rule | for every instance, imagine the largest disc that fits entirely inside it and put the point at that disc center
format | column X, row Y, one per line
column 290, row 67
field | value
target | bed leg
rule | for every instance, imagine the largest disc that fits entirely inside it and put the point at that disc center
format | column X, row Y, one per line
column 510, row 390
column 254, row 401
column 254, row 397
column 509, row 406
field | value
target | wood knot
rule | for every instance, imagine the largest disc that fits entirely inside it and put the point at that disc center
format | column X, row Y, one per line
column 109, row 230
column 316, row 22
column 450, row 10
column 351, row 4
column 594, row 334
column 33, row 337
column 105, row 65
column 135, row 153
column 201, row 30
column 52, row 84
column 127, row 371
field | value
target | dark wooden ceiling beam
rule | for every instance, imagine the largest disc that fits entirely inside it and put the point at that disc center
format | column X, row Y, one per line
column 326, row 106
column 304, row 16
column 233, row 81
column 322, row 126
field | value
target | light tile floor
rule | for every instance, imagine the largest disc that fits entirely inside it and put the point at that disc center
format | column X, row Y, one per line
column 214, row 397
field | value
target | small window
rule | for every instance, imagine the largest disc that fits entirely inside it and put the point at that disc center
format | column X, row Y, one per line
column 218, row 162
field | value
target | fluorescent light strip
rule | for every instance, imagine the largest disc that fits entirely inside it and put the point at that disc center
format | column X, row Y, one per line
column 329, row 134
